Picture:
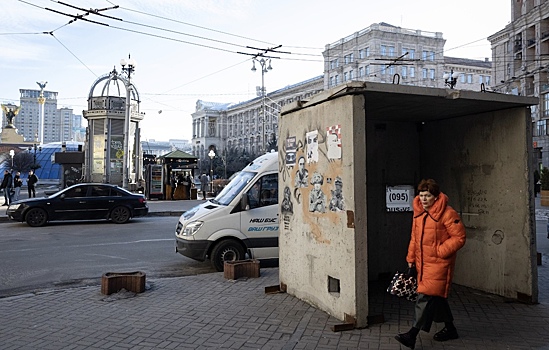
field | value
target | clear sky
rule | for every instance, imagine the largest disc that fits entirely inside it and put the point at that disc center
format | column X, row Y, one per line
column 188, row 49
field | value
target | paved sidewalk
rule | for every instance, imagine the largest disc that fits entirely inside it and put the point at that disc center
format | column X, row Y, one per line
column 210, row 312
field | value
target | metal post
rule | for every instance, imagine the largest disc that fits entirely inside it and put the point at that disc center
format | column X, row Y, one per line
column 127, row 82
column 263, row 104
column 125, row 172
column 41, row 101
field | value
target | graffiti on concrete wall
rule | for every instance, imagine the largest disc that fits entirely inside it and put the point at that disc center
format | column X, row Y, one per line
column 312, row 146
column 302, row 174
column 291, row 148
column 333, row 140
column 337, row 202
column 317, row 198
column 287, row 206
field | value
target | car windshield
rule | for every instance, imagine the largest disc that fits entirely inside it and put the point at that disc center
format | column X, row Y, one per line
column 234, row 188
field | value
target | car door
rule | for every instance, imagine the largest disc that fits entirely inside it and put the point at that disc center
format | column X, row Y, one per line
column 260, row 222
column 100, row 201
column 70, row 204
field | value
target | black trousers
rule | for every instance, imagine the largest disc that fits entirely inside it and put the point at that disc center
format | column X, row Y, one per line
column 32, row 191
column 428, row 309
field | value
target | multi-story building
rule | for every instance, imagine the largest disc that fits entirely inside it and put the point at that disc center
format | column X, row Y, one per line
column 388, row 54
column 28, row 119
column 223, row 125
column 379, row 53
column 520, row 56
column 65, row 117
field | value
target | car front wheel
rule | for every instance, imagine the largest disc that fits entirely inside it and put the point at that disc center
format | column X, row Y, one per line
column 228, row 250
column 120, row 215
column 36, row 217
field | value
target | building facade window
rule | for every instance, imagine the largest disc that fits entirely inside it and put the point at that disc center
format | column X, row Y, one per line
column 428, row 55
column 360, row 72
column 404, row 71
column 432, row 74
column 424, row 73
column 412, row 72
column 545, row 105
column 349, row 58
column 541, row 129
column 469, row 78
column 334, row 63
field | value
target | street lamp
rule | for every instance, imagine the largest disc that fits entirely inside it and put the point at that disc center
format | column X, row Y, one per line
column 265, row 67
column 450, row 79
column 211, row 154
column 128, row 67
column 12, row 153
column 35, row 148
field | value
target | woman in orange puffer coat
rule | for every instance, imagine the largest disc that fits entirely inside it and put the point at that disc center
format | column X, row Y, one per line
column 437, row 235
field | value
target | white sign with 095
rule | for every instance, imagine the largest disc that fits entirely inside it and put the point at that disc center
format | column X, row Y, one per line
column 399, row 198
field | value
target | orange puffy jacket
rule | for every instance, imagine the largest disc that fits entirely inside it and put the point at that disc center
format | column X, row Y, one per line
column 437, row 235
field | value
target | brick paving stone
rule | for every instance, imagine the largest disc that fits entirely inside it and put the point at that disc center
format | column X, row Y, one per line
column 209, row 312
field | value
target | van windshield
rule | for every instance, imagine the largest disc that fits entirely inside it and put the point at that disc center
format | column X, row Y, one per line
column 234, row 188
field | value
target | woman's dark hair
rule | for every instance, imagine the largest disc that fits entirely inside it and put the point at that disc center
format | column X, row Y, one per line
column 429, row 185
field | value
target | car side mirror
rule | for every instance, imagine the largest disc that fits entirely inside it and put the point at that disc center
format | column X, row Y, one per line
column 62, row 196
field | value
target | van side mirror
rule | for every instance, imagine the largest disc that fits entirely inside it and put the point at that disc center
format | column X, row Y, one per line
column 244, row 202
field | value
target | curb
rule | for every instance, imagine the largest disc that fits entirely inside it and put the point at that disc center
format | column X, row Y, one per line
column 154, row 213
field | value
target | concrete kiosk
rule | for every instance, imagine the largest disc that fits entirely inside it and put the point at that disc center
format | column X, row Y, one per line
column 365, row 146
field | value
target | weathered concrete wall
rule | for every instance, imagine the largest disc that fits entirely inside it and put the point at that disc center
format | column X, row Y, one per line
column 482, row 164
column 323, row 250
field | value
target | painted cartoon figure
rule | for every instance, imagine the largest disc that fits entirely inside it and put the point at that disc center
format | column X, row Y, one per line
column 287, row 207
column 337, row 203
column 317, row 198
column 302, row 174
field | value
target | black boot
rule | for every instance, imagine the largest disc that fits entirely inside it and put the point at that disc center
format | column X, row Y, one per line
column 408, row 339
column 447, row 333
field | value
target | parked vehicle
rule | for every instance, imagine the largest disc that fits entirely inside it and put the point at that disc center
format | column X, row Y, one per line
column 85, row 201
column 242, row 219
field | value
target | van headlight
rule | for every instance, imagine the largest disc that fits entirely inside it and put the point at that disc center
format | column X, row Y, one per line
column 192, row 227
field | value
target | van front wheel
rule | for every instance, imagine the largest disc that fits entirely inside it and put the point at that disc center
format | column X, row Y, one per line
column 228, row 250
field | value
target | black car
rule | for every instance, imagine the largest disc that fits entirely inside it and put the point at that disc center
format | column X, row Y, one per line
column 86, row 201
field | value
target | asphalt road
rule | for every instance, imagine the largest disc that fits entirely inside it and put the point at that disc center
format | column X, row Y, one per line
column 73, row 254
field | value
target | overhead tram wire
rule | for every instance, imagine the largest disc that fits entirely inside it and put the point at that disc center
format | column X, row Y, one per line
column 96, row 12
column 190, row 24
column 72, row 53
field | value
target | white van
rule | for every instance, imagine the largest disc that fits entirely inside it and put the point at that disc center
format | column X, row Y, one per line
column 242, row 219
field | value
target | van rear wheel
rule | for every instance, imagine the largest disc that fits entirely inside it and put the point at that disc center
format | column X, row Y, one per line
column 227, row 250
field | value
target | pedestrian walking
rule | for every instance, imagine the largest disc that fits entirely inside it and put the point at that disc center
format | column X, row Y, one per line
column 7, row 183
column 31, row 183
column 204, row 185
column 437, row 235
column 188, row 185
column 17, row 183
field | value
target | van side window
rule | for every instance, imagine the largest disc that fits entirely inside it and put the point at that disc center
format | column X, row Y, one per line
column 264, row 192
